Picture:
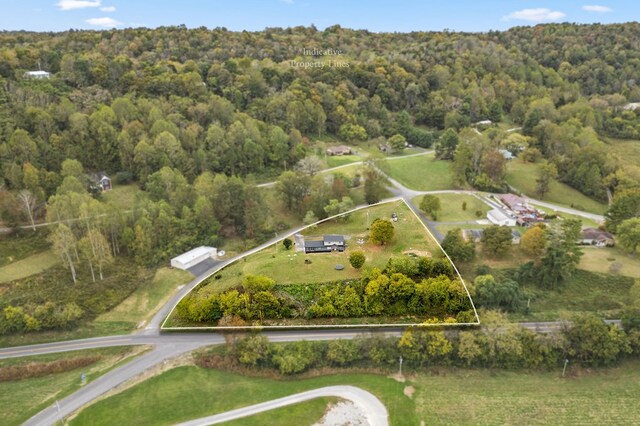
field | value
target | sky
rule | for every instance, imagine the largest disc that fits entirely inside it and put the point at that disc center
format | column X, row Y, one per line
column 255, row 15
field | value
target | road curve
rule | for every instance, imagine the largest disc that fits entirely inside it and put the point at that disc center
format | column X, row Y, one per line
column 375, row 411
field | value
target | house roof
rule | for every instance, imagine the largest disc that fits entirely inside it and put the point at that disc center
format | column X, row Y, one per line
column 332, row 237
column 595, row 234
column 339, row 148
column 512, row 200
column 38, row 73
column 194, row 254
column 313, row 243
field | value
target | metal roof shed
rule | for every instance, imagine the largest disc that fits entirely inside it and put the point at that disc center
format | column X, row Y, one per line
column 193, row 257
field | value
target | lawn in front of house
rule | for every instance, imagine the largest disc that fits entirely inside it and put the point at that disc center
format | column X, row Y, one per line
column 124, row 196
column 288, row 266
column 422, row 172
column 522, row 176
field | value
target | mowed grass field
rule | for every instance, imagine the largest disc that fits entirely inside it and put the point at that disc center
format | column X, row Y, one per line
column 28, row 266
column 451, row 207
column 422, row 173
column 22, row 244
column 21, row 399
column 441, row 396
column 522, row 176
column 124, row 196
column 288, row 266
column 292, row 415
column 186, row 393
column 341, row 160
column 147, row 299
column 483, row 397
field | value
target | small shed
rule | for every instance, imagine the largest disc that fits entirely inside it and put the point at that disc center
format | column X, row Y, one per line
column 193, row 257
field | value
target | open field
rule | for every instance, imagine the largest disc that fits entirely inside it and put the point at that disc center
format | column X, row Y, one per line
column 442, row 396
column 22, row 244
column 604, row 294
column 124, row 196
column 161, row 399
column 287, row 267
column 522, row 176
column 340, row 160
column 627, row 151
column 147, row 299
column 604, row 259
column 451, row 207
column 422, row 173
column 21, row 399
column 479, row 397
column 28, row 266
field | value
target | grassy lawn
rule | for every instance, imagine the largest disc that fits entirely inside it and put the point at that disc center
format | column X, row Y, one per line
column 288, row 267
column 451, row 207
column 292, row 415
column 163, row 399
column 423, row 173
column 22, row 244
column 601, row 259
column 341, row 160
column 147, row 299
column 522, row 176
column 442, row 396
column 627, row 151
column 482, row 397
column 28, row 266
column 21, row 399
column 124, row 196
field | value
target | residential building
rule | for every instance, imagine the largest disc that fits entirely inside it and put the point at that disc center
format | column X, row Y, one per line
column 596, row 237
column 339, row 150
column 328, row 243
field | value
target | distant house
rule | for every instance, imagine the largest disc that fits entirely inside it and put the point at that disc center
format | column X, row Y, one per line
column 327, row 244
column 483, row 123
column 37, row 74
column 101, row 181
column 339, row 150
column 596, row 237
column 632, row 106
column 515, row 203
column 499, row 217
column 515, row 237
column 506, row 154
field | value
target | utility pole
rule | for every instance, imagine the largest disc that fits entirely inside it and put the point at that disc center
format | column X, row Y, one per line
column 566, row 361
column 400, row 372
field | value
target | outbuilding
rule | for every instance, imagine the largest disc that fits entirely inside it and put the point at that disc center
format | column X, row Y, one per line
column 193, row 257
column 499, row 217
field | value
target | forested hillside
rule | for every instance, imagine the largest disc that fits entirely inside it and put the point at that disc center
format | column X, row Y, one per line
column 170, row 107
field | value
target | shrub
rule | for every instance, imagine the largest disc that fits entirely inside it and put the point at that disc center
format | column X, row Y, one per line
column 357, row 259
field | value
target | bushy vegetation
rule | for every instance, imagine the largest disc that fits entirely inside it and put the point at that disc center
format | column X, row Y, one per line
column 587, row 341
column 424, row 287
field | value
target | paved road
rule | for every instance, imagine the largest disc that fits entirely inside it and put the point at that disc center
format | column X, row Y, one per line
column 375, row 411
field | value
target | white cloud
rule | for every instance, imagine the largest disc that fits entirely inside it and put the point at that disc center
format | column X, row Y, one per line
column 108, row 9
column 540, row 14
column 596, row 8
column 77, row 4
column 104, row 22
